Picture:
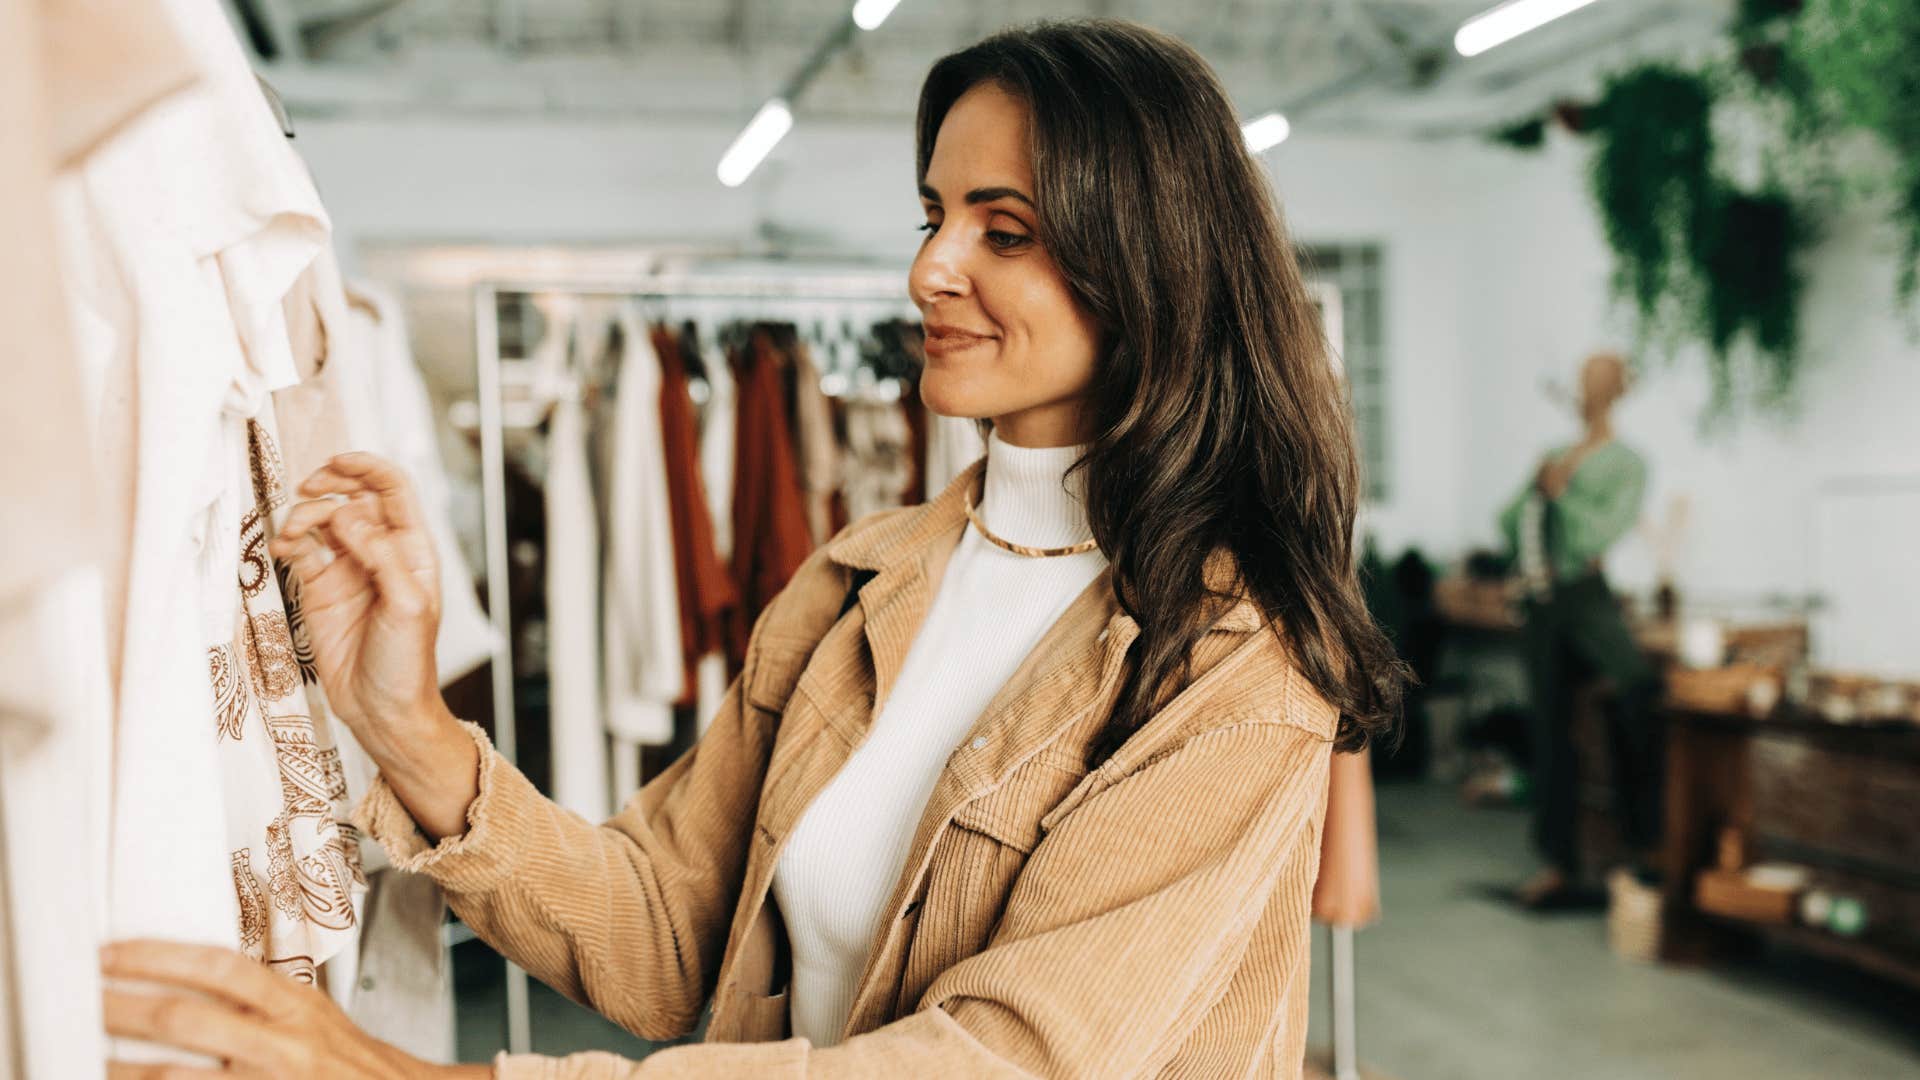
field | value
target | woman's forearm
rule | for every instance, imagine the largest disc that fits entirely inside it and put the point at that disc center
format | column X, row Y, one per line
column 435, row 772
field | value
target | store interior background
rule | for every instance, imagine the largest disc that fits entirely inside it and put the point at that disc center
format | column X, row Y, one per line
column 450, row 137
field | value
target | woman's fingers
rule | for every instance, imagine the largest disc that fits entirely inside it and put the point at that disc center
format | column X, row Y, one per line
column 212, row 970
column 352, row 531
column 190, row 1022
column 122, row 1070
column 349, row 474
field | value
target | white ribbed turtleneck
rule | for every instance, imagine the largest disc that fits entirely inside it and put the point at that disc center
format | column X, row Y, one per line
column 839, row 867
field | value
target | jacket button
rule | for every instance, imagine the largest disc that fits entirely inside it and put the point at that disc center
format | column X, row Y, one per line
column 1103, row 636
column 979, row 742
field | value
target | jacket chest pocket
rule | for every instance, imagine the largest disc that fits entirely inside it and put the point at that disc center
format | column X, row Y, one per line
column 974, row 866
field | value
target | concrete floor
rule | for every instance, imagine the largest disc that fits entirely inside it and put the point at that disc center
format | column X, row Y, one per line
column 1454, row 986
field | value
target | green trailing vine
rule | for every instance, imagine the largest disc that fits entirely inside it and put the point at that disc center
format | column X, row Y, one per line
column 1861, row 60
column 1697, row 256
column 1652, row 181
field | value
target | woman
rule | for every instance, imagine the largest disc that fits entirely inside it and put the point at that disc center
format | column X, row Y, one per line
column 1028, row 779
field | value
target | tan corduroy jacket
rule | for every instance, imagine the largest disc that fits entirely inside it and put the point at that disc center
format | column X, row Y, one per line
column 1147, row 917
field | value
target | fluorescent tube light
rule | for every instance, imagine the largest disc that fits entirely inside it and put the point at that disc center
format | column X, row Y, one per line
column 1265, row 132
column 869, row 14
column 755, row 141
column 1499, row 25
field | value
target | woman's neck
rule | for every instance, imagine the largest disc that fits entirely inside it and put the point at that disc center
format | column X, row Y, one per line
column 1030, row 498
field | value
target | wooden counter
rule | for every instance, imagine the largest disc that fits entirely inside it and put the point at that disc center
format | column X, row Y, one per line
column 1842, row 800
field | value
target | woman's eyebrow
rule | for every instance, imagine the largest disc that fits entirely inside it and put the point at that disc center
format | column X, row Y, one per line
column 979, row 195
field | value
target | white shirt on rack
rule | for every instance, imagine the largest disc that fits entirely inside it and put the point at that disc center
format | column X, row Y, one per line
column 840, row 865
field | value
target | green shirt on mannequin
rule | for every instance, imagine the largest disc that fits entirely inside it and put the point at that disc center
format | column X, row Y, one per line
column 1601, row 503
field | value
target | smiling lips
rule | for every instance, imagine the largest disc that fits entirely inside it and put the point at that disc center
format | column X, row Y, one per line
column 943, row 339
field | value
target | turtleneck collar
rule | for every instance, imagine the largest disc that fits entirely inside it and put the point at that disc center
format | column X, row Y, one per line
column 1029, row 498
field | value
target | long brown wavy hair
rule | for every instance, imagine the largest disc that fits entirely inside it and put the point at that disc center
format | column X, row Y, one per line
column 1218, row 419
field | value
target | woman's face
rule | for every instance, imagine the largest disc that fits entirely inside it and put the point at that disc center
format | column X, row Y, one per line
column 1006, row 339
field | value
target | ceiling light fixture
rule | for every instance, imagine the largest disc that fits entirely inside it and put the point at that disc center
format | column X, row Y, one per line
column 1499, row 25
column 869, row 14
column 755, row 141
column 1265, row 132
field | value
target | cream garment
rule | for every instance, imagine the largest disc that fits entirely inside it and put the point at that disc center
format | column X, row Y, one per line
column 879, row 464
column 180, row 236
column 405, row 416
column 578, row 731
column 644, row 667
column 716, row 476
column 841, row 863
column 56, row 715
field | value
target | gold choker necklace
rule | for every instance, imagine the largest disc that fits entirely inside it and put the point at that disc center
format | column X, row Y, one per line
column 973, row 515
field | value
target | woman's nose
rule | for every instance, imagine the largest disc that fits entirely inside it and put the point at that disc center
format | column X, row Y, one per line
column 937, row 273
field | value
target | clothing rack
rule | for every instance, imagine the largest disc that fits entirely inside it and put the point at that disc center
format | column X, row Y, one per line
column 882, row 290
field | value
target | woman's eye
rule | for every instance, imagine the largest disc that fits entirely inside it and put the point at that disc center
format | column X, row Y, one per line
column 929, row 228
column 1004, row 241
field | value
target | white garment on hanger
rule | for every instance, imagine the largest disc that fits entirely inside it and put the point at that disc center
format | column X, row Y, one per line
column 204, row 218
column 716, row 476
column 645, row 669
column 716, row 456
column 180, row 236
column 578, row 733
column 55, row 735
column 405, row 417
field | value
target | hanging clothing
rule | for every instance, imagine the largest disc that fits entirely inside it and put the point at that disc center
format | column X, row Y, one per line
column 180, row 237
column 704, row 585
column 880, row 465
column 645, row 666
column 770, row 536
column 405, row 417
column 578, row 731
column 816, row 442
column 717, row 437
column 56, row 724
column 295, row 857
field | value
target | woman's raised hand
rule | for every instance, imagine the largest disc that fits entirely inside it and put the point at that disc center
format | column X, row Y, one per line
column 370, row 597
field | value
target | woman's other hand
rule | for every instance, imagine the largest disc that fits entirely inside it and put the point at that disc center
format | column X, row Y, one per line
column 255, row 1023
column 370, row 598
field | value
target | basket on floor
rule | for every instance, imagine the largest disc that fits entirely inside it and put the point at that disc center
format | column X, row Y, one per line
column 1634, row 917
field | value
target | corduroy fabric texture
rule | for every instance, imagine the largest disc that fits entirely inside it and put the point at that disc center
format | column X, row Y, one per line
column 1145, row 917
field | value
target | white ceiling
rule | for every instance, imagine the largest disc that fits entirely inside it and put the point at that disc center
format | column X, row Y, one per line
column 1344, row 64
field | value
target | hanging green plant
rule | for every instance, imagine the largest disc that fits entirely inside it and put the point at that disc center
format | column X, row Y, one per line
column 1652, row 180
column 1751, row 283
column 1863, row 58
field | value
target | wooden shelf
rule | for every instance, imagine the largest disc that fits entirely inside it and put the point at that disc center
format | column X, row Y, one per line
column 1860, row 953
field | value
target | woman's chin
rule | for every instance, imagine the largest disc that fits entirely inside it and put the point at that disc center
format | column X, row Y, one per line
column 944, row 395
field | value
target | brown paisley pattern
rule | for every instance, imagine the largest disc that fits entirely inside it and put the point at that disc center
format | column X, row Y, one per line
column 263, row 461
column 296, row 622
column 282, row 881
column 305, row 786
column 254, row 562
column 324, row 878
column 300, row 969
column 253, row 903
column 270, row 659
column 230, row 697
column 288, row 789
